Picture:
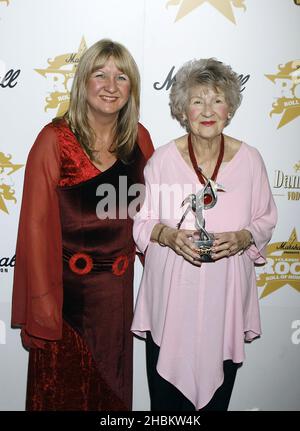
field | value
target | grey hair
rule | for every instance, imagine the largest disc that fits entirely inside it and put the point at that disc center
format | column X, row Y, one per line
column 208, row 72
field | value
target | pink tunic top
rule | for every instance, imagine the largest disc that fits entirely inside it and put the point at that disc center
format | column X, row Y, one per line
column 201, row 316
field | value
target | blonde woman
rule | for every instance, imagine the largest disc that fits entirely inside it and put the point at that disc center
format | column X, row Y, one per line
column 74, row 269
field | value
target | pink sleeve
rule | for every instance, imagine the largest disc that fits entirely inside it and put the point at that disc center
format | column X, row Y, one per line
column 264, row 211
column 148, row 216
column 37, row 290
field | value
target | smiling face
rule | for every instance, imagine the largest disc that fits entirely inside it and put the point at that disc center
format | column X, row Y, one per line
column 207, row 112
column 107, row 91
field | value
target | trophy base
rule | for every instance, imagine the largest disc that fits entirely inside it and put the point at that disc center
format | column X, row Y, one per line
column 204, row 247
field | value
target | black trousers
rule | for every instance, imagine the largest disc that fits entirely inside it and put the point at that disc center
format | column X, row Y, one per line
column 166, row 397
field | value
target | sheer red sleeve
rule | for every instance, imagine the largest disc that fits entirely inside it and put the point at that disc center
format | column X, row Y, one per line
column 145, row 142
column 147, row 148
column 37, row 290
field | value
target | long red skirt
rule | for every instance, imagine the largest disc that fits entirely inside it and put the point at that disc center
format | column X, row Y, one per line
column 64, row 376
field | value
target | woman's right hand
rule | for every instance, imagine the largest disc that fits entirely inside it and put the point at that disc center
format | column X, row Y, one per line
column 181, row 242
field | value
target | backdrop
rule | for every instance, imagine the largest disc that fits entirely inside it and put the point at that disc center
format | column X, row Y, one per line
column 40, row 45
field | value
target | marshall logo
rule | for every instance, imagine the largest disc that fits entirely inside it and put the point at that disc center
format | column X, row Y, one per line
column 282, row 267
column 223, row 6
column 7, row 263
column 291, row 183
column 171, row 77
column 7, row 193
column 167, row 82
column 8, row 79
column 287, row 82
column 59, row 75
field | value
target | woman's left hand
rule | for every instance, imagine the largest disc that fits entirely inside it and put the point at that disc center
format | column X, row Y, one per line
column 227, row 244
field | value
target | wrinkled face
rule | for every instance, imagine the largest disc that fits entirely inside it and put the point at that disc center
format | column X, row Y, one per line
column 108, row 90
column 207, row 111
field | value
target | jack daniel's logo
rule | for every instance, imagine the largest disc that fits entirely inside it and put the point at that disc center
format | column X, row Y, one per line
column 286, row 184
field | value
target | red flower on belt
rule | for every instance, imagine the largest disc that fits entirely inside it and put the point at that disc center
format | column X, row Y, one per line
column 120, row 265
column 81, row 263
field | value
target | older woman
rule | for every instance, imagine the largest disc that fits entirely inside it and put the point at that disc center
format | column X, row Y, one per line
column 196, row 314
column 73, row 283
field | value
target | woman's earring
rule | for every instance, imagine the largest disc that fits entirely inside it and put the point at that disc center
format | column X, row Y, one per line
column 229, row 115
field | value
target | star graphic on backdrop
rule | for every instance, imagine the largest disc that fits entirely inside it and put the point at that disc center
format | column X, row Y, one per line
column 290, row 114
column 289, row 107
column 223, row 6
column 63, row 66
column 290, row 251
column 59, row 61
column 297, row 166
column 6, row 191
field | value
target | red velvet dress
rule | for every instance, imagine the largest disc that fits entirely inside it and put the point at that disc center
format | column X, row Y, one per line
column 74, row 276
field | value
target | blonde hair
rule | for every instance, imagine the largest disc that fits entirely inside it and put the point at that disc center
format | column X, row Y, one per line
column 127, row 123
